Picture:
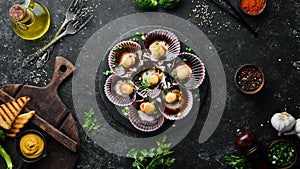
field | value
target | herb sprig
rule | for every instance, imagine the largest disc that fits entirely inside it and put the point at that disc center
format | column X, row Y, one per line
column 237, row 162
column 153, row 157
column 90, row 123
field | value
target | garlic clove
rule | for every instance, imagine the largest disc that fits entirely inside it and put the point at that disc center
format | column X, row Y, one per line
column 283, row 121
column 297, row 126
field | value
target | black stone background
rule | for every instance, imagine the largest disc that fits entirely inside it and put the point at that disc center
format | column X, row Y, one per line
column 275, row 50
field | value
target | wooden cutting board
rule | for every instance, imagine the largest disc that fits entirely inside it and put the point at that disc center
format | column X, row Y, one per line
column 52, row 118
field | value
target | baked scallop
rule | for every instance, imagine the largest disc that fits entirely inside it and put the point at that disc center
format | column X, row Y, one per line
column 161, row 45
column 146, row 116
column 178, row 102
column 120, row 90
column 149, row 79
column 124, row 57
column 188, row 70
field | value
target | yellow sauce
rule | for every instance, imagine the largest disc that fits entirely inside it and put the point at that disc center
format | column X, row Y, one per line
column 32, row 145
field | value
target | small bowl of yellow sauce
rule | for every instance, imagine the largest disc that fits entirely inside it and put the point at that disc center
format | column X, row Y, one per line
column 31, row 146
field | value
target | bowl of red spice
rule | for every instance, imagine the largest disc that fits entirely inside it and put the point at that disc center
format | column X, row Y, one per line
column 249, row 78
column 253, row 7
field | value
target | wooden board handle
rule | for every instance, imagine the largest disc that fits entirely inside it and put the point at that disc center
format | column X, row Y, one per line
column 62, row 69
column 55, row 133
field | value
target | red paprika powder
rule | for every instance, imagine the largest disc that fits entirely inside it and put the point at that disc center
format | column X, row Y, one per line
column 253, row 7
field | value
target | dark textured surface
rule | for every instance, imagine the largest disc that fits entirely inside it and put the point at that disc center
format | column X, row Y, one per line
column 275, row 50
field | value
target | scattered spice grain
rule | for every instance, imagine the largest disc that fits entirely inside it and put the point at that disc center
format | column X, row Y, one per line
column 202, row 11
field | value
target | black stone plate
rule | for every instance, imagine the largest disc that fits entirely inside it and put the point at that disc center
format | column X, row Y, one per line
column 113, row 113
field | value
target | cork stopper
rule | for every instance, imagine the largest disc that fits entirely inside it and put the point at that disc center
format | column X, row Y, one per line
column 17, row 12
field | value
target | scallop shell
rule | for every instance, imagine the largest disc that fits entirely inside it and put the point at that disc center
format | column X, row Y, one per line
column 112, row 93
column 185, row 106
column 114, row 58
column 145, row 91
column 197, row 67
column 172, row 44
column 144, row 122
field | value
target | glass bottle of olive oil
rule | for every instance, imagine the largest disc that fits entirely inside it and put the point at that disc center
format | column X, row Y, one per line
column 30, row 20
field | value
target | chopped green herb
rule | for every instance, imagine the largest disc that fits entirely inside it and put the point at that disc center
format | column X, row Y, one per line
column 174, row 74
column 146, row 83
column 196, row 97
column 108, row 72
column 185, row 59
column 281, row 154
column 156, row 43
column 188, row 49
column 161, row 74
column 139, row 33
column 125, row 111
column 117, row 48
column 134, row 39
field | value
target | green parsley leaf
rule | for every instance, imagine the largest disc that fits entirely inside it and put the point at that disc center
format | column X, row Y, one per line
column 90, row 122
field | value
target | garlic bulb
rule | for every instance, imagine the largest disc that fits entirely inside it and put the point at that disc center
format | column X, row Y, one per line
column 283, row 122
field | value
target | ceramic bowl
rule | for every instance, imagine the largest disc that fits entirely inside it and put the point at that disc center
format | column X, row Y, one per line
column 275, row 142
column 239, row 75
column 30, row 160
column 252, row 14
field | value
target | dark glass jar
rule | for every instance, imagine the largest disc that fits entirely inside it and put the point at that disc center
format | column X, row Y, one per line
column 252, row 150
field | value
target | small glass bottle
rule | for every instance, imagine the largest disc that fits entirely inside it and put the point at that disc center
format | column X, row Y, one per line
column 30, row 20
column 252, row 150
